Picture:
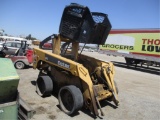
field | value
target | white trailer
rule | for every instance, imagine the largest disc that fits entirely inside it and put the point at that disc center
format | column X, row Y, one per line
column 135, row 45
column 8, row 38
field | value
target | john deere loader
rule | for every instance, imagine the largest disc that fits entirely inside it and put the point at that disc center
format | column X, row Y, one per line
column 79, row 80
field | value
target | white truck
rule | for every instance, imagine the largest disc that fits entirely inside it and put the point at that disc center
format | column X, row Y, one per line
column 135, row 45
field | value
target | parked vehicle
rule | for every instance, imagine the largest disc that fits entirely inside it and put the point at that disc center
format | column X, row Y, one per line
column 21, row 58
column 36, row 42
column 13, row 47
column 85, row 49
column 90, row 50
column 47, row 46
column 135, row 45
column 1, row 45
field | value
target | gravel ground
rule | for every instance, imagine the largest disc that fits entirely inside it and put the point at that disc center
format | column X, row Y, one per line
column 139, row 94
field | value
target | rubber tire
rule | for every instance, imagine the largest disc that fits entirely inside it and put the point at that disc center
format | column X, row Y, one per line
column 22, row 65
column 77, row 99
column 44, row 86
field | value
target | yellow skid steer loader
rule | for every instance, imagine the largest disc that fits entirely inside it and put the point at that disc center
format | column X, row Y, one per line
column 79, row 80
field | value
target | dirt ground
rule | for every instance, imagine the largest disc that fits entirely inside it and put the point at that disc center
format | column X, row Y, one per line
column 139, row 94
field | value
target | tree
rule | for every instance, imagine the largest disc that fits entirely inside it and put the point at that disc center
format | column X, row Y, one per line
column 1, row 32
column 29, row 37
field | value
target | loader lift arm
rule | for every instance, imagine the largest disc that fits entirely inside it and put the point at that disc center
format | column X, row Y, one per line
column 46, row 40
